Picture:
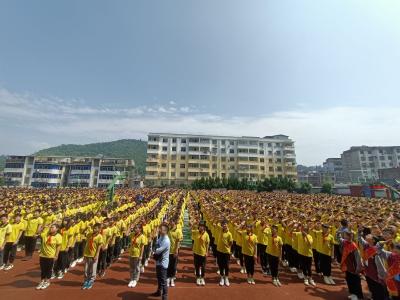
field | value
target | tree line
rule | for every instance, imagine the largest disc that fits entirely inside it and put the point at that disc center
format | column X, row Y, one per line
column 266, row 185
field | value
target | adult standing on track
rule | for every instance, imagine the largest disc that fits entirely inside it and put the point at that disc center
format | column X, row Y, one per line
column 161, row 255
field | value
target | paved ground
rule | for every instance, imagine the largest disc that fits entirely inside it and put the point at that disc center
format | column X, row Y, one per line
column 20, row 282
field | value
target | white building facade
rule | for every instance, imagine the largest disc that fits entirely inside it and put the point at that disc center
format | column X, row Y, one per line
column 174, row 159
column 361, row 164
column 62, row 171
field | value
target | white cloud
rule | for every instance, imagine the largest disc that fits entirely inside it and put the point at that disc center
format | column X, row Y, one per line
column 318, row 134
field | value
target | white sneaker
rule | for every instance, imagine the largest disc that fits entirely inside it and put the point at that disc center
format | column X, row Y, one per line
column 306, row 282
column 73, row 264
column 141, row 269
column 8, row 267
column 252, row 281
column 278, row 282
column 353, row 297
column 122, row 251
column 198, row 281
column 312, row 282
column 218, row 272
column 248, row 280
column 60, row 275
column 146, row 263
column 172, row 282
column 203, row 283
column 326, row 280
column 242, row 270
column 222, row 281
column 40, row 285
column 45, row 285
column 300, row 275
column 80, row 260
column 168, row 281
column 238, row 262
column 331, row 280
column 293, row 270
column 134, row 283
column 130, row 283
column 227, row 281
column 53, row 276
column 2, row 267
column 274, row 282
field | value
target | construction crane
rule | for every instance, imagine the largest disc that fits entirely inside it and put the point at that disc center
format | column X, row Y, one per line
column 111, row 188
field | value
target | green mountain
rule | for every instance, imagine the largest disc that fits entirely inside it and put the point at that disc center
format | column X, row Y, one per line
column 129, row 148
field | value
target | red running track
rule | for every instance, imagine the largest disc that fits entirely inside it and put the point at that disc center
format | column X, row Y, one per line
column 20, row 282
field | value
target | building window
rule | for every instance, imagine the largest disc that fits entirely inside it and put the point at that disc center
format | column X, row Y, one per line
column 183, row 149
column 183, row 141
column 182, row 174
column 182, row 166
column 164, row 148
column 231, row 151
column 174, row 140
column 173, row 165
column 174, row 149
column 165, row 140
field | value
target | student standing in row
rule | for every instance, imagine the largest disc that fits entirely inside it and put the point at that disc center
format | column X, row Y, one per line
column 249, row 250
column 34, row 225
column 325, row 248
column 10, row 248
column 49, row 250
column 91, row 255
column 5, row 231
column 201, row 243
column 224, row 245
column 351, row 263
column 263, row 230
column 135, row 251
column 274, row 252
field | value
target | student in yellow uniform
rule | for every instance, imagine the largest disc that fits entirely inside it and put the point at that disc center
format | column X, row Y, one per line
column 262, row 232
column 201, row 243
column 325, row 247
column 62, row 263
column 305, row 243
column 249, row 250
column 91, row 253
column 107, row 234
column 175, row 237
column 50, row 246
column 224, row 244
column 10, row 248
column 135, row 251
column 5, row 231
column 274, row 253
column 34, row 225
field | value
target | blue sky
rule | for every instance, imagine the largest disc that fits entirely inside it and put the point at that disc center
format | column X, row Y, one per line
column 325, row 73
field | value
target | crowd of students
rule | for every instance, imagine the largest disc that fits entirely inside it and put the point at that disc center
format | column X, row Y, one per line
column 79, row 226
column 300, row 234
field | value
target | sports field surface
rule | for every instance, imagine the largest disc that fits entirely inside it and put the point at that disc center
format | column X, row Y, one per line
column 20, row 282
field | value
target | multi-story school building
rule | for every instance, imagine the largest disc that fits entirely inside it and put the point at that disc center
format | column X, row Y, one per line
column 182, row 158
column 62, row 171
